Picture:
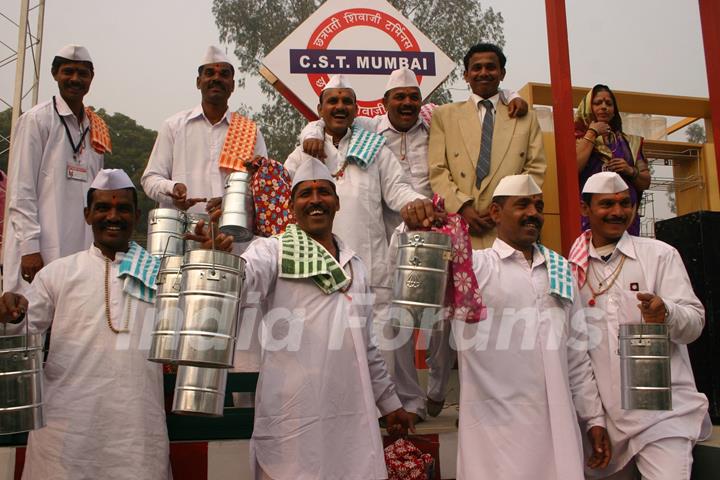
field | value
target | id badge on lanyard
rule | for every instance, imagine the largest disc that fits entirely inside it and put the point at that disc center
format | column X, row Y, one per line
column 76, row 171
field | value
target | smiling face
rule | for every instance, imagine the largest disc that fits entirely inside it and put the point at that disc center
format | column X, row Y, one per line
column 519, row 220
column 216, row 83
column 338, row 110
column 73, row 79
column 484, row 74
column 314, row 203
column 603, row 107
column 112, row 214
column 609, row 215
column 403, row 107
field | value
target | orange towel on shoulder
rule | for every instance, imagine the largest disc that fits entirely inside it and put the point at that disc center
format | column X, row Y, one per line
column 239, row 145
column 99, row 132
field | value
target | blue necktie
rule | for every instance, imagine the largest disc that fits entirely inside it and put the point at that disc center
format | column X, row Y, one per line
column 483, row 164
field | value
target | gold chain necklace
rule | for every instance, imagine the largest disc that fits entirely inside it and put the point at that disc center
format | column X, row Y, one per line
column 125, row 328
column 610, row 279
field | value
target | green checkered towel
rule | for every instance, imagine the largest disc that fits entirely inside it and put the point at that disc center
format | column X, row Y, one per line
column 559, row 273
column 364, row 147
column 303, row 257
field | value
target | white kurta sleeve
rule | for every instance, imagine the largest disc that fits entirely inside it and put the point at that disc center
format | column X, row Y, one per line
column 27, row 154
column 41, row 304
column 395, row 185
column 260, row 146
column 583, row 386
column 157, row 178
column 313, row 130
column 384, row 392
column 293, row 161
column 261, row 268
column 686, row 315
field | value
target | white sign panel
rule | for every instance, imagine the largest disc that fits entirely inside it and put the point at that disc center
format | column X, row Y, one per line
column 363, row 40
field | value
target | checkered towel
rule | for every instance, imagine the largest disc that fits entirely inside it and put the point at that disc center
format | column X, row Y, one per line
column 426, row 112
column 579, row 257
column 99, row 132
column 239, row 145
column 364, row 147
column 140, row 270
column 303, row 257
column 559, row 273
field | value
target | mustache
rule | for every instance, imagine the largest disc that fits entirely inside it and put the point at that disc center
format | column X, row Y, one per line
column 123, row 225
column 616, row 219
column 316, row 206
column 408, row 109
column 215, row 83
column 532, row 221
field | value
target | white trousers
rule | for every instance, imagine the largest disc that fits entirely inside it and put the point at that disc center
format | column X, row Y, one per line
column 665, row 459
column 398, row 350
column 441, row 359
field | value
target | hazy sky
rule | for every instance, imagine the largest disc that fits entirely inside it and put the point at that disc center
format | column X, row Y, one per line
column 146, row 52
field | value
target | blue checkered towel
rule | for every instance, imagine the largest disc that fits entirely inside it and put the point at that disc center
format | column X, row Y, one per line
column 364, row 147
column 559, row 273
column 140, row 270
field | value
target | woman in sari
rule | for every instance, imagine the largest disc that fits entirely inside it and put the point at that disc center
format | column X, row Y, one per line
column 601, row 145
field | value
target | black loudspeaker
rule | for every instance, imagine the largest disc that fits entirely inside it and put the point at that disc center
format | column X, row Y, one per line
column 697, row 237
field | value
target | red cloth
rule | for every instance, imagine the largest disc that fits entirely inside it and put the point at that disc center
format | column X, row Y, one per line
column 405, row 461
column 579, row 257
column 463, row 294
column 271, row 190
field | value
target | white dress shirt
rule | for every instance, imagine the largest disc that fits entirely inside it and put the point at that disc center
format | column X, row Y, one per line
column 187, row 150
column 45, row 206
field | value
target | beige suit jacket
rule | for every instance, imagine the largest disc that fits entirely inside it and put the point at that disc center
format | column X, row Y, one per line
column 455, row 131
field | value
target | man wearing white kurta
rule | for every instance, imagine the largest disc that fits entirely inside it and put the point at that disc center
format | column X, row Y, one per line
column 52, row 166
column 321, row 375
column 525, row 376
column 628, row 279
column 184, row 168
column 102, row 400
column 367, row 179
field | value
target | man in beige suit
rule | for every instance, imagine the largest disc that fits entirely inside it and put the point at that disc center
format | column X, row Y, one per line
column 464, row 167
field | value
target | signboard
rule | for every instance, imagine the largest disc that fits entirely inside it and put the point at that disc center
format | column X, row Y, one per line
column 363, row 40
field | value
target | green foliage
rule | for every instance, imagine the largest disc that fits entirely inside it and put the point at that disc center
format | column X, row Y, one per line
column 255, row 27
column 131, row 144
column 695, row 133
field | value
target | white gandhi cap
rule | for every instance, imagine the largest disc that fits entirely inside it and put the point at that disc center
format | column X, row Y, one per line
column 76, row 53
column 112, row 179
column 213, row 54
column 517, row 186
column 338, row 81
column 311, row 169
column 401, row 78
column 605, row 182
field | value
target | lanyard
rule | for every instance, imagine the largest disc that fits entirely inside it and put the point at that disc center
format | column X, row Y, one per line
column 75, row 148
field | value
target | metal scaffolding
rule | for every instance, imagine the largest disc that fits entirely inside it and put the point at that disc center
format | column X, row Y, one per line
column 15, row 55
